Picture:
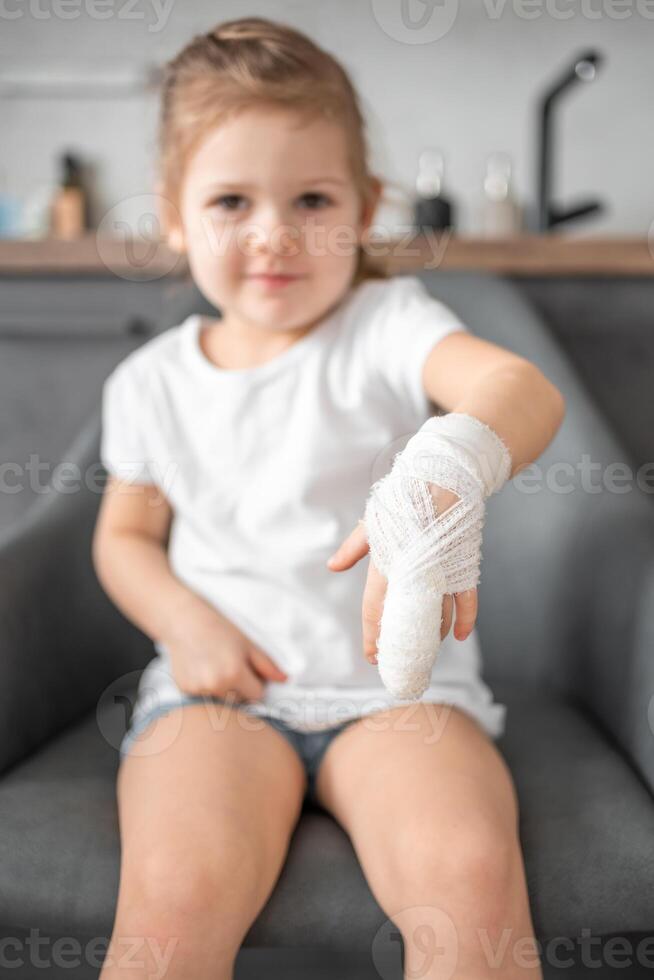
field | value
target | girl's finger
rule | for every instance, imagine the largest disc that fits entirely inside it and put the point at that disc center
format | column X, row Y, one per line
column 466, row 612
column 446, row 620
column 265, row 666
column 371, row 613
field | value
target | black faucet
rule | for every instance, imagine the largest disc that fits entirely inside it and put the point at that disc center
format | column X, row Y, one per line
column 584, row 69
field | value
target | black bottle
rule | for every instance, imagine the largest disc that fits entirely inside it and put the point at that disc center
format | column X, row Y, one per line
column 432, row 209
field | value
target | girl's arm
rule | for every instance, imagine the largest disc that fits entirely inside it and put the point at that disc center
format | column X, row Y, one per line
column 467, row 375
column 131, row 561
column 208, row 653
column 464, row 373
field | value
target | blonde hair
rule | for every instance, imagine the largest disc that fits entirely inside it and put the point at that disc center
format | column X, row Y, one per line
column 255, row 61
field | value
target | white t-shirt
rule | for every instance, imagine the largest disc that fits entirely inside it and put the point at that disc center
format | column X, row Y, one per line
column 267, row 470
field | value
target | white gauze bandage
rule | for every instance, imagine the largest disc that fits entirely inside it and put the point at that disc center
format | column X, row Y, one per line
column 425, row 555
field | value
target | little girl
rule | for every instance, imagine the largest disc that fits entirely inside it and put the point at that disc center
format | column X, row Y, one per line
column 240, row 452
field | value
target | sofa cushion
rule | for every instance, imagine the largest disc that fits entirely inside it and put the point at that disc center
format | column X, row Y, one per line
column 586, row 824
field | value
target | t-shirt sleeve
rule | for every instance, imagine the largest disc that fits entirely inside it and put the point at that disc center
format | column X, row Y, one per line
column 408, row 323
column 126, row 424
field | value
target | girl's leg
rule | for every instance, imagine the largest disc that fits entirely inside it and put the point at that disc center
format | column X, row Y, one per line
column 431, row 809
column 205, row 821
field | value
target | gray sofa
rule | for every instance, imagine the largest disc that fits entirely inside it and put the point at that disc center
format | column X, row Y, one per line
column 567, row 629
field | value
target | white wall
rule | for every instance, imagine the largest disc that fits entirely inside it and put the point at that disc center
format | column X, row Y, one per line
column 470, row 91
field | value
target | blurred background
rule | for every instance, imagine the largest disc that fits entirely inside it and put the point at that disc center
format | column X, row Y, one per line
column 466, row 82
column 513, row 137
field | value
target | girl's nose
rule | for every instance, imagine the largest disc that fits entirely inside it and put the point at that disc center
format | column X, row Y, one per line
column 274, row 236
column 273, row 230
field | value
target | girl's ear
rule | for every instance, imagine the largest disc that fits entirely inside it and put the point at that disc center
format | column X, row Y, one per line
column 370, row 207
column 175, row 240
column 170, row 220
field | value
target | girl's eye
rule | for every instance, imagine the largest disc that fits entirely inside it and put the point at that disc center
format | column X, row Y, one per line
column 229, row 201
column 315, row 196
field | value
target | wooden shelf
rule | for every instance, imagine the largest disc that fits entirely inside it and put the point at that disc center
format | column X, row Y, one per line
column 92, row 255
column 526, row 255
column 530, row 255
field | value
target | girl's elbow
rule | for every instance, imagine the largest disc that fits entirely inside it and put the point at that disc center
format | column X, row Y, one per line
column 552, row 404
column 558, row 408
column 98, row 552
column 560, row 405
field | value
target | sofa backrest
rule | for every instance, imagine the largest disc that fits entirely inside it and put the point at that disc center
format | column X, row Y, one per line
column 539, row 529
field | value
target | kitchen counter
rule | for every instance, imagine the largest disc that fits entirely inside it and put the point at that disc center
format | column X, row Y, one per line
column 526, row 255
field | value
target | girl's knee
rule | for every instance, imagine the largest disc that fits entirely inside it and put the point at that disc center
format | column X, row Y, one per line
column 477, row 856
column 171, row 889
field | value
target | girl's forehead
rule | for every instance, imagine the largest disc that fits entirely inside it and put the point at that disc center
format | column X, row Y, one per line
column 256, row 140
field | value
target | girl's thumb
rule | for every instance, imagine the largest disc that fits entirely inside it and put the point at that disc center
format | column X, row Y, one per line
column 351, row 550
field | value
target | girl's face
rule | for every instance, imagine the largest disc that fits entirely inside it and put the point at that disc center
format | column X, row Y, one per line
column 267, row 193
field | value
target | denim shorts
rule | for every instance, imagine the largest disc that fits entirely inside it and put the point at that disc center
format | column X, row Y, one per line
column 310, row 746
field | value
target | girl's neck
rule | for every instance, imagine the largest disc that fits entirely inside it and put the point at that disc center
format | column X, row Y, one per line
column 231, row 344
column 235, row 347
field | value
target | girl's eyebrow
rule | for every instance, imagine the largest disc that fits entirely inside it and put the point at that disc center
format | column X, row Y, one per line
column 244, row 186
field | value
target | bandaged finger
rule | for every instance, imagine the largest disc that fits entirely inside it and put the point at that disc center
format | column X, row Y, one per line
column 423, row 554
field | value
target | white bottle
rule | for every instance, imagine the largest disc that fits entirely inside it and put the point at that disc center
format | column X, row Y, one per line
column 500, row 215
column 36, row 212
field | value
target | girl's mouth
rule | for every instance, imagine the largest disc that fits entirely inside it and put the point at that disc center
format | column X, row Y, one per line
column 275, row 281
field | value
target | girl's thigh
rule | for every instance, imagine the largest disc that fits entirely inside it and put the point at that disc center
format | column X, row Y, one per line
column 419, row 788
column 206, row 795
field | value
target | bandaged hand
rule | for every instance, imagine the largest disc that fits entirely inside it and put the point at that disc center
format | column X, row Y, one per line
column 425, row 551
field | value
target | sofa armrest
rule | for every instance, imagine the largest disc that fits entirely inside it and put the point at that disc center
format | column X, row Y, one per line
column 615, row 642
column 62, row 640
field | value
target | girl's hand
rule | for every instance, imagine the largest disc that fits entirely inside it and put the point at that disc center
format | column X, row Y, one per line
column 355, row 546
column 210, row 655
